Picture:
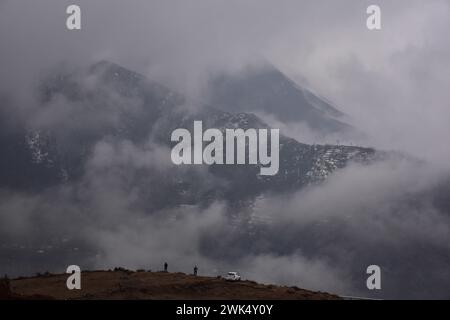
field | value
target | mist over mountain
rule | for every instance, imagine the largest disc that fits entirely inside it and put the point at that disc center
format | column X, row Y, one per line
column 86, row 176
column 266, row 89
column 109, row 103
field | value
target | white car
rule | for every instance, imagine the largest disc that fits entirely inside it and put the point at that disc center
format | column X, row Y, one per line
column 232, row 276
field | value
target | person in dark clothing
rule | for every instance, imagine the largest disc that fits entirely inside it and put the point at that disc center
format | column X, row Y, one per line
column 165, row 266
column 195, row 270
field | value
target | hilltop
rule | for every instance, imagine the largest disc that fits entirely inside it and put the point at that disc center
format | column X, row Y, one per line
column 124, row 284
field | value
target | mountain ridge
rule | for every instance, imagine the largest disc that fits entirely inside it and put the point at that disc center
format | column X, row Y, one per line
column 156, row 113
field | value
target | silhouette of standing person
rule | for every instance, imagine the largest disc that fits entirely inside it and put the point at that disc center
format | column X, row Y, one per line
column 165, row 266
column 195, row 270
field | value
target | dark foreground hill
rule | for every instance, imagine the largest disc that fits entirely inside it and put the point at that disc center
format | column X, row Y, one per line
column 123, row 284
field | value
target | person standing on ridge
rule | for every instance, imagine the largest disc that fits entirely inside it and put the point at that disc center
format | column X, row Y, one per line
column 195, row 270
column 165, row 266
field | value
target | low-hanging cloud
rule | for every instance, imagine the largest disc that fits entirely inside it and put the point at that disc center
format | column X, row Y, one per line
column 323, row 239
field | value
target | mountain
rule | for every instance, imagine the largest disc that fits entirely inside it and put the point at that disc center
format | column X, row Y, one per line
column 266, row 89
column 111, row 102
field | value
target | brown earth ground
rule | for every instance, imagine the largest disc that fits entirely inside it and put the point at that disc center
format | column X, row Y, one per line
column 124, row 284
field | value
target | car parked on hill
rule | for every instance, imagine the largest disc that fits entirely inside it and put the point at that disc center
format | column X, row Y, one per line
column 232, row 276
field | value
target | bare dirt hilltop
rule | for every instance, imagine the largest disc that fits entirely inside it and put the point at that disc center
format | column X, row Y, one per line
column 124, row 284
